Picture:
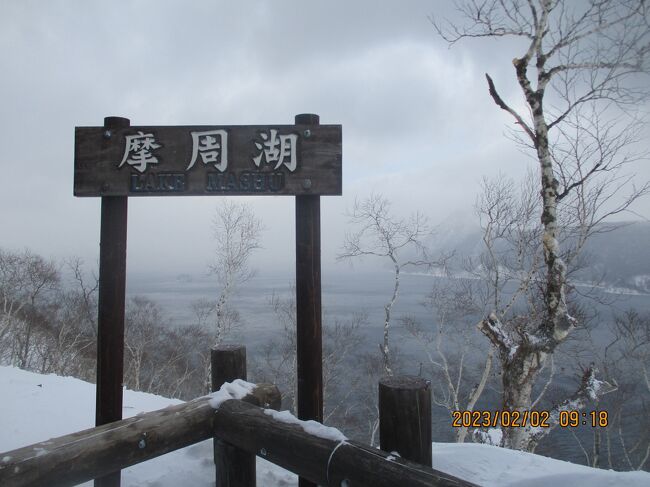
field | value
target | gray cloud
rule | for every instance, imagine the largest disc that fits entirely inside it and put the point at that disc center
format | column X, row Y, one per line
column 418, row 124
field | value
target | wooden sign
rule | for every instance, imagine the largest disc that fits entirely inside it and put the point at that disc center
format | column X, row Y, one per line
column 208, row 160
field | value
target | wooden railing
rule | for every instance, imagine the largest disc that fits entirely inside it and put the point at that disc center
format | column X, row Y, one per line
column 95, row 452
column 242, row 429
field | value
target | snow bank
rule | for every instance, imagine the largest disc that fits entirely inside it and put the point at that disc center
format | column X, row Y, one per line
column 492, row 466
column 37, row 407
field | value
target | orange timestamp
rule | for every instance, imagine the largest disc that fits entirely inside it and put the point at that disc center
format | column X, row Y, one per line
column 506, row 419
column 572, row 418
column 533, row 419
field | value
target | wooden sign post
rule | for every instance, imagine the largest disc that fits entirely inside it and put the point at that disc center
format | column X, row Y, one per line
column 309, row 340
column 117, row 161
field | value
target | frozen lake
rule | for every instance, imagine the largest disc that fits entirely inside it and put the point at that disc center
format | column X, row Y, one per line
column 344, row 294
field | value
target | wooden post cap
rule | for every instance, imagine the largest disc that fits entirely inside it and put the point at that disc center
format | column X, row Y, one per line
column 405, row 382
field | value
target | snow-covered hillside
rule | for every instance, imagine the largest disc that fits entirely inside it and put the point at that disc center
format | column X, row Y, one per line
column 38, row 407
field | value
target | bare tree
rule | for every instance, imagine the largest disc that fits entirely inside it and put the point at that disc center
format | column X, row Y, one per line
column 203, row 312
column 237, row 235
column 371, row 367
column 143, row 323
column 582, row 74
column 49, row 325
column 72, row 325
column 178, row 369
column 341, row 339
column 68, row 348
column 626, row 361
column 84, row 295
column 400, row 241
column 278, row 356
column 27, row 281
column 501, row 277
column 460, row 367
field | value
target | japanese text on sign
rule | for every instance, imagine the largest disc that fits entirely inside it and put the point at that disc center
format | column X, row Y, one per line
column 137, row 151
column 212, row 147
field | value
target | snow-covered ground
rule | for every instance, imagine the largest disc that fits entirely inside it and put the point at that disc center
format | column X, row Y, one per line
column 37, row 407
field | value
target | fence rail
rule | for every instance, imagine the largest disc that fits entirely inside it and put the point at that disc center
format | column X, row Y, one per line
column 242, row 428
column 95, row 452
column 82, row 456
column 323, row 461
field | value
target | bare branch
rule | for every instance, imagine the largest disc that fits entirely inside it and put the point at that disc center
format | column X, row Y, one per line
column 499, row 101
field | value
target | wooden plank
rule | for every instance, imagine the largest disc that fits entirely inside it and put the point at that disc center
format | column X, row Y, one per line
column 95, row 452
column 208, row 160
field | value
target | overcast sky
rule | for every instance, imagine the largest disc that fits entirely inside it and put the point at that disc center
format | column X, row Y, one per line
column 418, row 123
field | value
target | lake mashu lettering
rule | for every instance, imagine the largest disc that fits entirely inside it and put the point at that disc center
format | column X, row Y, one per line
column 159, row 183
column 249, row 181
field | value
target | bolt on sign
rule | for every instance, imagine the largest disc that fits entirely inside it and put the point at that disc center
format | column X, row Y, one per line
column 208, row 160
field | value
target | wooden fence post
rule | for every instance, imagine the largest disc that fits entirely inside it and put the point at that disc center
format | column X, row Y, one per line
column 405, row 417
column 234, row 467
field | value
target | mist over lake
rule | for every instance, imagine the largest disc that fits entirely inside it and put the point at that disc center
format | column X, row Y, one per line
column 343, row 294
